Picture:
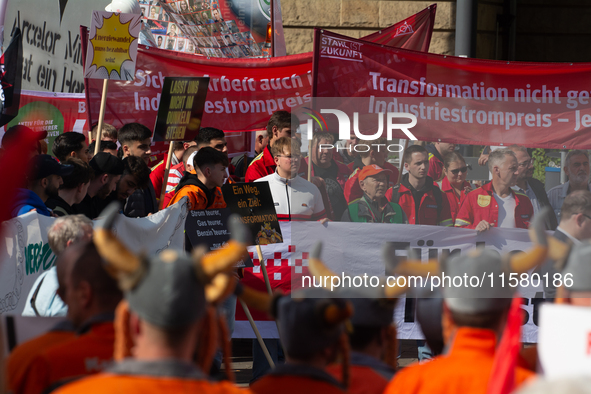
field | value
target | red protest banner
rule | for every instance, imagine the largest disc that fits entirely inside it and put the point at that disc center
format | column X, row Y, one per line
column 51, row 112
column 243, row 93
column 457, row 100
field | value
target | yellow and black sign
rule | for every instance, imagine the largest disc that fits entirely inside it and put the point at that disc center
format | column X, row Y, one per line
column 181, row 108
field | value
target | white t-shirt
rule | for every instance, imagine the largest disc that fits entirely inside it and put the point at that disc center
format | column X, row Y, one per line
column 506, row 211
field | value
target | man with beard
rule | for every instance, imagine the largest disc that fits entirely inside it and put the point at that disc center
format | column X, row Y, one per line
column 532, row 188
column 107, row 172
column 576, row 168
column 43, row 181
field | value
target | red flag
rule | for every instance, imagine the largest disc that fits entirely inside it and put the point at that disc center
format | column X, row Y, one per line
column 502, row 377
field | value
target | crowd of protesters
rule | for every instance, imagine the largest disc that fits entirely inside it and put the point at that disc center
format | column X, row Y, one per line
column 142, row 323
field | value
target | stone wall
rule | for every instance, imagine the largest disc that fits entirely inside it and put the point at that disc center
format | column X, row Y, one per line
column 547, row 30
column 357, row 18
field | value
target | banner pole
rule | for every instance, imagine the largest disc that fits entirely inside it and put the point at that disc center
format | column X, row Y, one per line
column 166, row 172
column 400, row 163
column 264, row 268
column 99, row 128
column 257, row 333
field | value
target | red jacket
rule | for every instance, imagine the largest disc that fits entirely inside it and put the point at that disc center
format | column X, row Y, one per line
column 481, row 205
column 157, row 177
column 260, row 166
column 353, row 190
column 342, row 175
column 454, row 202
column 429, row 212
column 435, row 163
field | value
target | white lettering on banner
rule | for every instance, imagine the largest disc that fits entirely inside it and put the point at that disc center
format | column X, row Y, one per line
column 355, row 248
column 341, row 49
column 25, row 252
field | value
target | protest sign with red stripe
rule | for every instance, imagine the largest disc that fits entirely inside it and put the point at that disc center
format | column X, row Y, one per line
column 458, row 100
column 243, row 93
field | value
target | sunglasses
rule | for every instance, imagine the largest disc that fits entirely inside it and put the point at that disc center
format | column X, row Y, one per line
column 458, row 170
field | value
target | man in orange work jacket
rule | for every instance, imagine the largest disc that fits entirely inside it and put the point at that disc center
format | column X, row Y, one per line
column 92, row 296
column 496, row 204
column 311, row 331
column 203, row 186
column 473, row 320
column 162, row 317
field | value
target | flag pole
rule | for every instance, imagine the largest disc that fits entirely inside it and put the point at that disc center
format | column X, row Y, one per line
column 166, row 172
column 264, row 268
column 257, row 333
column 99, row 129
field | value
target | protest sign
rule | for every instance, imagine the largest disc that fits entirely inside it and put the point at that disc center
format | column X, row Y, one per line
column 112, row 46
column 454, row 99
column 243, row 93
column 254, row 204
column 210, row 227
column 181, row 108
column 356, row 248
column 25, row 251
column 51, row 41
column 225, row 29
column 54, row 113
column 564, row 343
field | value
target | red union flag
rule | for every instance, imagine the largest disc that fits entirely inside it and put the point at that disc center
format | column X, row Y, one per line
column 458, row 100
column 243, row 93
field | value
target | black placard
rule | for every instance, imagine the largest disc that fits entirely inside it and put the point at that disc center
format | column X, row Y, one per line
column 181, row 108
column 254, row 203
column 209, row 227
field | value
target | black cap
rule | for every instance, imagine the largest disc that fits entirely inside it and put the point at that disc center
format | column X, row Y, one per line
column 106, row 163
column 42, row 166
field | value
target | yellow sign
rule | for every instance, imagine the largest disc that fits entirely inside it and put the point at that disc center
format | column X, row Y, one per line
column 112, row 48
column 484, row 201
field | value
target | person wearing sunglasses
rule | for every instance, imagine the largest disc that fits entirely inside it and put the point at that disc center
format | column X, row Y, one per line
column 530, row 186
column 454, row 184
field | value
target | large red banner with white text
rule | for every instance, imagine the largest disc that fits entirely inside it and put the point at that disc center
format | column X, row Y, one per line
column 459, row 100
column 243, row 93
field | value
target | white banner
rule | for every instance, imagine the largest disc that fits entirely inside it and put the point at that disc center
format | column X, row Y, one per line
column 52, row 50
column 356, row 249
column 25, row 253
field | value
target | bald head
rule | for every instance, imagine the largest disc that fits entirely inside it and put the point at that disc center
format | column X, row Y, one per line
column 85, row 286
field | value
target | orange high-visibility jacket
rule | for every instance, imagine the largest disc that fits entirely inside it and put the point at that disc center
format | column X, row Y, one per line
column 297, row 379
column 83, row 355
column 165, row 376
column 20, row 359
column 466, row 369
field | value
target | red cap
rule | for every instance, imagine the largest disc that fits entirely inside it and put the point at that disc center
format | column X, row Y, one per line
column 372, row 170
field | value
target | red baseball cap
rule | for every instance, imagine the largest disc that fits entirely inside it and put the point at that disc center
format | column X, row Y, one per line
column 372, row 170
